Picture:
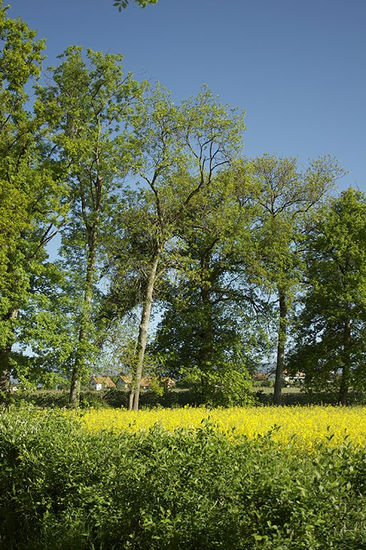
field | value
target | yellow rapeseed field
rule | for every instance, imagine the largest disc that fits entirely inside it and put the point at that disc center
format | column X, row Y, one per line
column 304, row 426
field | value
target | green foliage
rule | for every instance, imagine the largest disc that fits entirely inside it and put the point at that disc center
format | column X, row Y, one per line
column 331, row 328
column 210, row 327
column 30, row 182
column 179, row 149
column 222, row 384
column 89, row 104
column 218, row 242
column 122, row 4
column 112, row 397
column 69, row 489
column 286, row 198
column 174, row 398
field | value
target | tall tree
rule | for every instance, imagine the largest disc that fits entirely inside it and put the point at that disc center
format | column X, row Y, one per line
column 181, row 147
column 332, row 326
column 91, row 101
column 207, row 330
column 29, row 189
column 286, row 196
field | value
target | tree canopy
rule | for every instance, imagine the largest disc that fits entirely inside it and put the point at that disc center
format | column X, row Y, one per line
column 331, row 328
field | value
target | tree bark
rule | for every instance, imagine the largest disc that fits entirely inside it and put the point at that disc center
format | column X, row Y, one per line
column 205, row 352
column 5, row 367
column 346, row 368
column 79, row 364
column 74, row 397
column 4, row 372
column 142, row 337
column 282, row 334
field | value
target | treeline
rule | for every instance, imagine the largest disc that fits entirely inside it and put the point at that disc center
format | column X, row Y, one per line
column 154, row 210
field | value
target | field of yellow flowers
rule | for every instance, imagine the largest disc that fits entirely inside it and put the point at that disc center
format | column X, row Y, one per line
column 304, row 426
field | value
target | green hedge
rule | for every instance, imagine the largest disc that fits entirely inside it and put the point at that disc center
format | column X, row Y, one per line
column 174, row 398
column 62, row 488
column 105, row 398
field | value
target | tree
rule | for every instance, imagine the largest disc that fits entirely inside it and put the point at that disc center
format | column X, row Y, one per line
column 91, row 103
column 332, row 325
column 29, row 182
column 207, row 333
column 122, row 4
column 181, row 149
column 286, row 197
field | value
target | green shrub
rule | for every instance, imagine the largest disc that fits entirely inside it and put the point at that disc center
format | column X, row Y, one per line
column 62, row 488
column 225, row 386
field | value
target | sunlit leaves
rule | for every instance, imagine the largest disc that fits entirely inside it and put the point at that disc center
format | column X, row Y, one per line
column 122, row 4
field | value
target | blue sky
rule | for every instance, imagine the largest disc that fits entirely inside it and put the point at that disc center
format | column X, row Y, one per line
column 297, row 67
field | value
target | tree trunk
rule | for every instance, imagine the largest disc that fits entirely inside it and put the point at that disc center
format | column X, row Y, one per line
column 4, row 373
column 80, row 358
column 205, row 352
column 346, row 369
column 74, row 398
column 282, row 329
column 206, row 349
column 130, row 398
column 5, row 366
column 142, row 337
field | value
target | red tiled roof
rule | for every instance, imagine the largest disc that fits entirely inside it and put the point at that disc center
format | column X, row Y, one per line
column 104, row 380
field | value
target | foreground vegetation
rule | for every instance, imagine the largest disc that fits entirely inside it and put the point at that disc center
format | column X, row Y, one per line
column 71, row 487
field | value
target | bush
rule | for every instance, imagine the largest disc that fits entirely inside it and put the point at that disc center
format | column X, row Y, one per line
column 69, row 489
column 267, row 383
column 225, row 386
column 60, row 398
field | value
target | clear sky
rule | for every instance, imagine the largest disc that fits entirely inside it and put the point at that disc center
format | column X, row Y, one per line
column 297, row 67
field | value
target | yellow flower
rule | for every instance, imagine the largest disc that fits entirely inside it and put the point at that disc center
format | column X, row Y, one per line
column 299, row 426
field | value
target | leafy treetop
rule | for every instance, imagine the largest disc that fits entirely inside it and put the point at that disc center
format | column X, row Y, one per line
column 122, row 4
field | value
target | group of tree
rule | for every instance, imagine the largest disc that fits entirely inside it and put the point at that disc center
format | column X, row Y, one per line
column 155, row 211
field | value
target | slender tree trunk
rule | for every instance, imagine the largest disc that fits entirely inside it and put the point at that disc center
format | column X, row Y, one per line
column 5, row 367
column 346, row 369
column 205, row 352
column 206, row 349
column 142, row 337
column 130, row 398
column 4, row 372
column 79, row 364
column 74, row 397
column 282, row 333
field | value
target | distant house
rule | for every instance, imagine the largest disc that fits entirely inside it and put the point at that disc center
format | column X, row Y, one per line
column 145, row 382
column 168, row 382
column 287, row 377
column 260, row 376
column 102, row 382
column 298, row 377
column 124, row 382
